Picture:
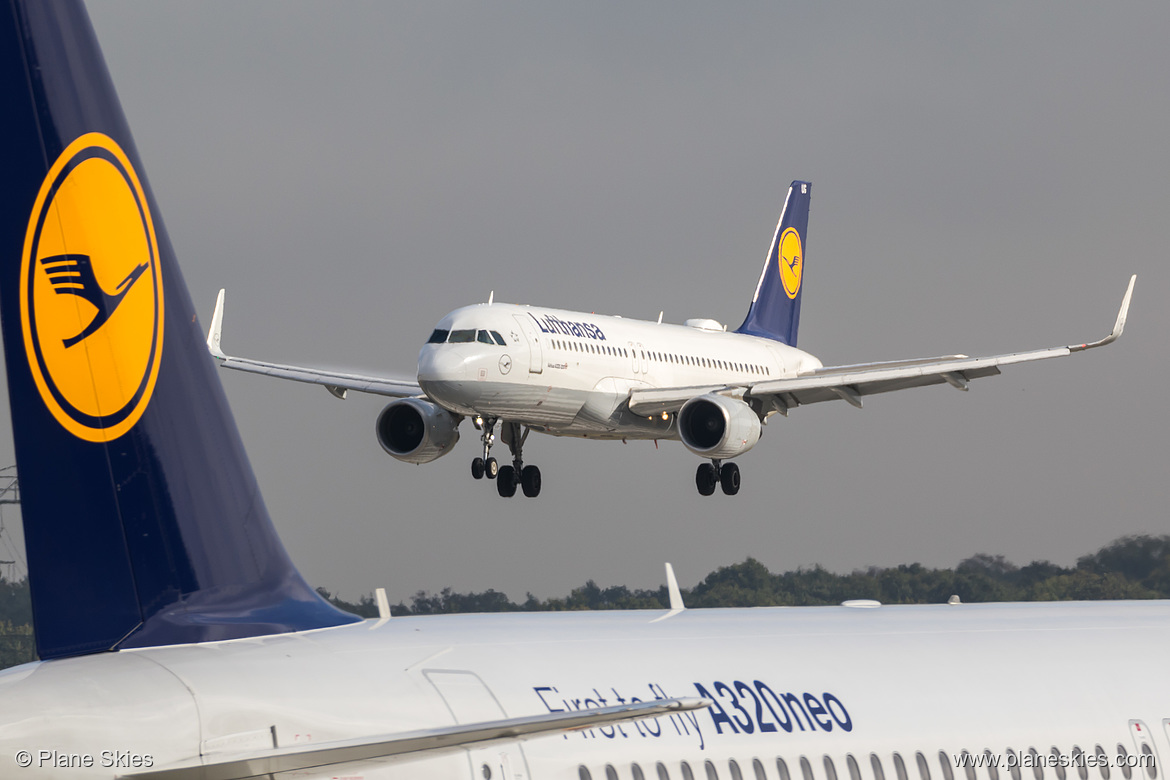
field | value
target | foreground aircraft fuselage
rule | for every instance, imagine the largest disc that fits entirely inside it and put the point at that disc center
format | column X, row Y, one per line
column 179, row 642
column 833, row 685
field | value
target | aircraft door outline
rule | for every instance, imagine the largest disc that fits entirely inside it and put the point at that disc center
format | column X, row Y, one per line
column 535, row 350
column 469, row 700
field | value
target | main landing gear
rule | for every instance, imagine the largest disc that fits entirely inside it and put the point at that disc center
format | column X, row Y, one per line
column 507, row 478
column 717, row 472
column 527, row 477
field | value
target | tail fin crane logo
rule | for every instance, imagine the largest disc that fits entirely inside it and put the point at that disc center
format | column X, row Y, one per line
column 73, row 275
column 91, row 292
column 791, row 261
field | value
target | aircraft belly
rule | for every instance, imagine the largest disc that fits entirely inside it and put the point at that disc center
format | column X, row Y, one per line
column 531, row 404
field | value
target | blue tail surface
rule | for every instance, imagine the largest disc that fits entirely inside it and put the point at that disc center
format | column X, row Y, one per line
column 775, row 309
column 143, row 522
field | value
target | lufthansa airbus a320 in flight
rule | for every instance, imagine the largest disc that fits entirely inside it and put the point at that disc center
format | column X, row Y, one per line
column 565, row 373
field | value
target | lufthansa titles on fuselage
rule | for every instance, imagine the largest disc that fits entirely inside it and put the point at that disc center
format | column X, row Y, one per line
column 550, row 323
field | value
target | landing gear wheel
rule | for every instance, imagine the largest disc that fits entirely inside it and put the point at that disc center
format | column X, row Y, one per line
column 729, row 478
column 506, row 482
column 491, row 468
column 477, row 468
column 705, row 479
column 530, row 481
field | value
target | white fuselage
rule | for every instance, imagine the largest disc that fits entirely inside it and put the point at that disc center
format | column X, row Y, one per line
column 569, row 373
column 816, row 684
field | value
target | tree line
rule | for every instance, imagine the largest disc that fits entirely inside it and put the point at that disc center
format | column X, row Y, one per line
column 1132, row 567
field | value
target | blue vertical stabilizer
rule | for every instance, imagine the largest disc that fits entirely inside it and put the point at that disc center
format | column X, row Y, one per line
column 775, row 309
column 143, row 521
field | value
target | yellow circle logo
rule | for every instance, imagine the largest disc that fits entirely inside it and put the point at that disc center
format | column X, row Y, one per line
column 791, row 261
column 91, row 303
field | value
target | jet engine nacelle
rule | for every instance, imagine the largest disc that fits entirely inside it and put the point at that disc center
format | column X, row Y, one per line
column 416, row 431
column 718, row 427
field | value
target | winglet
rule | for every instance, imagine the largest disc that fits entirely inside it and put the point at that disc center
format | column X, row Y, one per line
column 676, row 602
column 1118, row 327
column 216, row 330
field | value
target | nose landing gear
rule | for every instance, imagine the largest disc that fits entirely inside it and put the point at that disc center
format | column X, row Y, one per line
column 726, row 475
column 507, row 478
column 487, row 465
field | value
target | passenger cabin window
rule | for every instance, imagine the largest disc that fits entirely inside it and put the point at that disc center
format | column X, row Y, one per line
column 1037, row 768
column 461, row 337
column 1056, row 763
column 686, row 771
column 1151, row 766
column 923, row 767
column 1123, row 760
column 663, row 774
column 806, row 769
column 610, row 772
column 830, row 770
column 1102, row 762
column 438, row 336
column 782, row 769
column 1080, row 763
column 636, row 771
column 583, row 773
column 992, row 771
column 854, row 769
column 733, row 767
column 1013, row 764
column 758, row 769
column 711, row 773
column 968, row 764
column 944, row 763
column 900, row 767
column 876, row 764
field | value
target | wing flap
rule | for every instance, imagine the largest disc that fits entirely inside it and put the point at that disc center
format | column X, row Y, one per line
column 397, row 388
column 649, row 401
column 851, row 382
column 431, row 741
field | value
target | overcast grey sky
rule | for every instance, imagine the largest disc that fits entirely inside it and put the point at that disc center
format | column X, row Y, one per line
column 986, row 178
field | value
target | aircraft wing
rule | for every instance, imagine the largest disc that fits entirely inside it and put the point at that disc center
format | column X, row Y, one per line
column 851, row 383
column 409, row 745
column 337, row 383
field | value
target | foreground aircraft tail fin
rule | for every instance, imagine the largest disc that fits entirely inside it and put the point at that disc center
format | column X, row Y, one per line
column 775, row 310
column 143, row 521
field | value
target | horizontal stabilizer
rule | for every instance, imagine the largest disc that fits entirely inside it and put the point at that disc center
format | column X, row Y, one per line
column 327, row 754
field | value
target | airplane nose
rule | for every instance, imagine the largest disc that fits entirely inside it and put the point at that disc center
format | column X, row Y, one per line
column 439, row 363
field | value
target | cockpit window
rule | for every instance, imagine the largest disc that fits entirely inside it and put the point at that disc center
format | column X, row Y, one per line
column 483, row 337
column 438, row 337
column 499, row 339
column 461, row 337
